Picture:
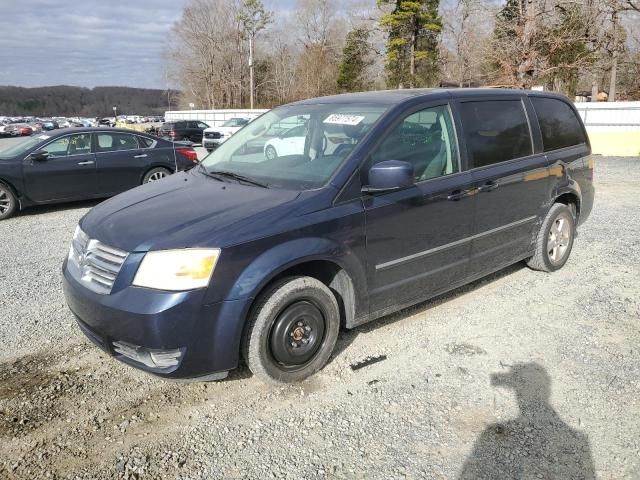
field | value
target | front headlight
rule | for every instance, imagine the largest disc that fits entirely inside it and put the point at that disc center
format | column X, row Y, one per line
column 177, row 270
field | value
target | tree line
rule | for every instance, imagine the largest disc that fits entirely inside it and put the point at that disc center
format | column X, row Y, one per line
column 84, row 102
column 235, row 53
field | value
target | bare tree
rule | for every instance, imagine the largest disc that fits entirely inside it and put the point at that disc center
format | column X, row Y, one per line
column 208, row 51
column 467, row 27
column 322, row 35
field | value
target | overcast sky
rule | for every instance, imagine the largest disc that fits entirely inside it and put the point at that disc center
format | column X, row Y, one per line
column 88, row 43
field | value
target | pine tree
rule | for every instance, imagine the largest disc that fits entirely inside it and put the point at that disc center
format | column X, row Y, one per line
column 356, row 60
column 414, row 28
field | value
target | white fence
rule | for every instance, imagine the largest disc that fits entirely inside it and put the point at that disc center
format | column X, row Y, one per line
column 214, row 118
column 610, row 116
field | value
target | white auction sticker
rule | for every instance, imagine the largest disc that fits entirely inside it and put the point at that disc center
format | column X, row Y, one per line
column 43, row 137
column 340, row 119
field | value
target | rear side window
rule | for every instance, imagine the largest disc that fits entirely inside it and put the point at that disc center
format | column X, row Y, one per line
column 113, row 142
column 146, row 142
column 558, row 122
column 495, row 131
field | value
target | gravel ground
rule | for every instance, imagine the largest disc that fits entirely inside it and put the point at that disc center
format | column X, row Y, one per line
column 517, row 373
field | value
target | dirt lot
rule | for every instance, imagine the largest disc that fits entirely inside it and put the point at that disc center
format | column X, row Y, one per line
column 520, row 375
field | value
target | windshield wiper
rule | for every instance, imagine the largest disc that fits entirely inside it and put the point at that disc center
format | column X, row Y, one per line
column 238, row 177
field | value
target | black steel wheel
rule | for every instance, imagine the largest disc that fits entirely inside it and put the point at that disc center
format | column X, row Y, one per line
column 292, row 330
column 297, row 334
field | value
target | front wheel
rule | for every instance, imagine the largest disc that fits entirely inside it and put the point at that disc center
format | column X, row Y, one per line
column 292, row 330
column 8, row 202
column 155, row 174
column 555, row 239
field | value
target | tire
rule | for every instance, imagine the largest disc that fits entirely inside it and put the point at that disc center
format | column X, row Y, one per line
column 288, row 313
column 555, row 239
column 270, row 152
column 8, row 202
column 155, row 174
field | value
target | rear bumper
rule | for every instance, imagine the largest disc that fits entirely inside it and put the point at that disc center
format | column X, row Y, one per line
column 207, row 335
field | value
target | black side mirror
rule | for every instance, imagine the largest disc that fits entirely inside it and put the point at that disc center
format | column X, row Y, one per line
column 389, row 175
column 39, row 155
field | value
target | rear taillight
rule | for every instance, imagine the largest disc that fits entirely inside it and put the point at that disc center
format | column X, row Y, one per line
column 190, row 153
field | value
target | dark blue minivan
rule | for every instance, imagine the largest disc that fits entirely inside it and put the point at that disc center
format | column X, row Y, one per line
column 371, row 203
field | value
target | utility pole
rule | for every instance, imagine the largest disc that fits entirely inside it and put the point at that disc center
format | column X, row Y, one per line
column 253, row 18
column 251, row 81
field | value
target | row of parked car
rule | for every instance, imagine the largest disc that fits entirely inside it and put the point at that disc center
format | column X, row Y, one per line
column 25, row 126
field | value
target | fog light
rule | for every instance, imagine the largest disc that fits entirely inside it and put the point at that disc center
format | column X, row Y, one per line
column 167, row 358
column 148, row 357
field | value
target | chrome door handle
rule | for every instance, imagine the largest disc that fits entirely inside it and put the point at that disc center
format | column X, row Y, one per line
column 88, row 162
column 143, row 155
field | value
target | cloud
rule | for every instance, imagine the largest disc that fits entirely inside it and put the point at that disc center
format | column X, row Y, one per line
column 89, row 43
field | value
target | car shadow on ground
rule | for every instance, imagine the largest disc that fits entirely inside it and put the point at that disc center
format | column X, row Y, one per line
column 537, row 443
column 58, row 207
column 347, row 337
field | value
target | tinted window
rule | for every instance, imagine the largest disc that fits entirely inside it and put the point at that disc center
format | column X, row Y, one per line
column 495, row 131
column 558, row 122
column 426, row 140
column 112, row 142
column 201, row 125
column 70, row 145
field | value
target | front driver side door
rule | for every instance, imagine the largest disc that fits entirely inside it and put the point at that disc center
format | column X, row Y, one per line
column 418, row 238
column 69, row 173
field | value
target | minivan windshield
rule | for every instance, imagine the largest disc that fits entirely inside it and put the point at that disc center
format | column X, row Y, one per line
column 295, row 147
column 21, row 146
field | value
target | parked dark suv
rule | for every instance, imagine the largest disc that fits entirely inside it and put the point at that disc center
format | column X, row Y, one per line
column 189, row 130
column 390, row 199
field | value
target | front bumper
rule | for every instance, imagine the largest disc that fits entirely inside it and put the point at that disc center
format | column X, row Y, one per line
column 208, row 336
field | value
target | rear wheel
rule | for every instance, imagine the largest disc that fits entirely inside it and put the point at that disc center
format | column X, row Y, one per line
column 8, row 202
column 155, row 174
column 292, row 330
column 555, row 239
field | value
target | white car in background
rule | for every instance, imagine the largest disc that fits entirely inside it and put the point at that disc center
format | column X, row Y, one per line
column 214, row 136
column 291, row 142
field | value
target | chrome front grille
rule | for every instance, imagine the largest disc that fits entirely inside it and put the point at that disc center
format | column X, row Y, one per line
column 95, row 264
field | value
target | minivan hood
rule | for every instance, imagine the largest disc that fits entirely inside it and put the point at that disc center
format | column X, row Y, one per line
column 187, row 209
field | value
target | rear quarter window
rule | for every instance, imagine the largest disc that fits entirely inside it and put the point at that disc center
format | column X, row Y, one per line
column 495, row 131
column 559, row 124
